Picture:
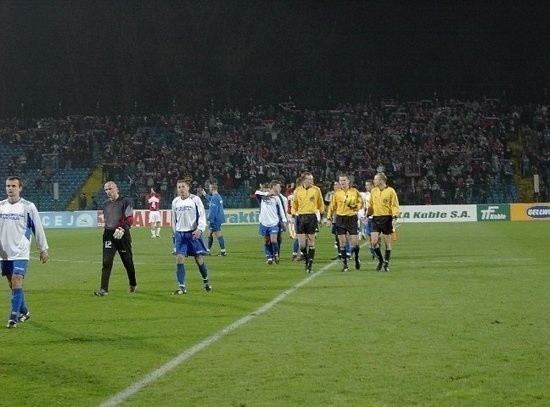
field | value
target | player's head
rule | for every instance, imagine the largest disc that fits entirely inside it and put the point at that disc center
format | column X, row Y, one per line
column 276, row 186
column 307, row 179
column 183, row 188
column 14, row 186
column 111, row 190
column 369, row 184
column 343, row 180
column 213, row 187
column 380, row 179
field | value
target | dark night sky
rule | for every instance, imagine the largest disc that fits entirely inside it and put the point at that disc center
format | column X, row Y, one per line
column 152, row 53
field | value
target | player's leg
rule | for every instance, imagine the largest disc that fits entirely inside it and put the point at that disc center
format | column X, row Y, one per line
column 124, row 248
column 16, row 271
column 181, row 254
column 221, row 241
column 375, row 242
column 109, row 252
column 274, row 245
column 204, row 272
column 341, row 233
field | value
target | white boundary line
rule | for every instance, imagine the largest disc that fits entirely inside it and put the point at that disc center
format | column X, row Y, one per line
column 186, row 354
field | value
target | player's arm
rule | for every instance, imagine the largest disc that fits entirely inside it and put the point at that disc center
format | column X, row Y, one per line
column 39, row 234
column 359, row 201
column 127, row 219
column 320, row 203
column 331, row 208
column 394, row 205
column 173, row 219
column 201, row 221
column 370, row 208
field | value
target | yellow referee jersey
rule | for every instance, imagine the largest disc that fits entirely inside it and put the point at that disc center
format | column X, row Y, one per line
column 345, row 203
column 383, row 202
column 307, row 201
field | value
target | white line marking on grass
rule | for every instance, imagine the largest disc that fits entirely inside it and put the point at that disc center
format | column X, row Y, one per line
column 185, row 355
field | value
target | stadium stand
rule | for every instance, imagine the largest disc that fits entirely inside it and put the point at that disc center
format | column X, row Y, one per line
column 433, row 152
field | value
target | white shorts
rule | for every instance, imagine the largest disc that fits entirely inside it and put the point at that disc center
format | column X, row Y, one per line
column 154, row 216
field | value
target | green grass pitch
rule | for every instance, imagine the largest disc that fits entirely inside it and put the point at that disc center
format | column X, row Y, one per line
column 462, row 319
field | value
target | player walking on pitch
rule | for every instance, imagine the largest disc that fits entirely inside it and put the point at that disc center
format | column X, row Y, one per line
column 188, row 225
column 384, row 208
column 153, row 201
column 118, row 215
column 18, row 219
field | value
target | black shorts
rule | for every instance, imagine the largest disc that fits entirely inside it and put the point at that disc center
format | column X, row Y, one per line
column 307, row 224
column 112, row 245
column 382, row 224
column 346, row 224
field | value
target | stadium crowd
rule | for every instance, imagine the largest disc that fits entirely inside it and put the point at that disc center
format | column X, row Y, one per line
column 433, row 152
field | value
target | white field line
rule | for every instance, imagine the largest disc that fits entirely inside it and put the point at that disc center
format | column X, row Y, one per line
column 188, row 353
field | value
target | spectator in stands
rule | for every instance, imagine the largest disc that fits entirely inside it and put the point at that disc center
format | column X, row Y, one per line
column 82, row 201
column 95, row 205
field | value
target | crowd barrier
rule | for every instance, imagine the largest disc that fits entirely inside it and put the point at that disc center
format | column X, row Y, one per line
column 409, row 213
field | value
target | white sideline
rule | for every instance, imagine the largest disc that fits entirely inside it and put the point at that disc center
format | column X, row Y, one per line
column 182, row 357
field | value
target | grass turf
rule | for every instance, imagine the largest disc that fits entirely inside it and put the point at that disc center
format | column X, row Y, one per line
column 460, row 320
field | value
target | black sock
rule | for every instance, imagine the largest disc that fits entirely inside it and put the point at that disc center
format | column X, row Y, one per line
column 379, row 254
column 344, row 256
column 388, row 254
column 356, row 252
column 311, row 253
column 303, row 250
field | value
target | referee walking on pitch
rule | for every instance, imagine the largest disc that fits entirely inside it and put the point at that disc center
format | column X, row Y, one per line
column 384, row 208
column 308, row 205
column 118, row 218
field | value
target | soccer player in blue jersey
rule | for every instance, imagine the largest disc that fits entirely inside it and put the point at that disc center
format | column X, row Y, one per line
column 18, row 219
column 188, row 225
column 216, row 217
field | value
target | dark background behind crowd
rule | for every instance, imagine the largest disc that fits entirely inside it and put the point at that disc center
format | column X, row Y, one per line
column 120, row 57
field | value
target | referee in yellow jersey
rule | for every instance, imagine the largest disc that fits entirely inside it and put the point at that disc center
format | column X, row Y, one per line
column 308, row 206
column 384, row 208
column 343, row 209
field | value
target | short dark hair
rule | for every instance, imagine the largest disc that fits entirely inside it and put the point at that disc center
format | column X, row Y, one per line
column 15, row 178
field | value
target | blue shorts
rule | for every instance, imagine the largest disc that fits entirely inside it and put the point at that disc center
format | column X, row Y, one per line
column 367, row 228
column 268, row 230
column 10, row 267
column 187, row 245
column 215, row 226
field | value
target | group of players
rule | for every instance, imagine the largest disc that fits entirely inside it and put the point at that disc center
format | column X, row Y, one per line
column 300, row 212
column 350, row 213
